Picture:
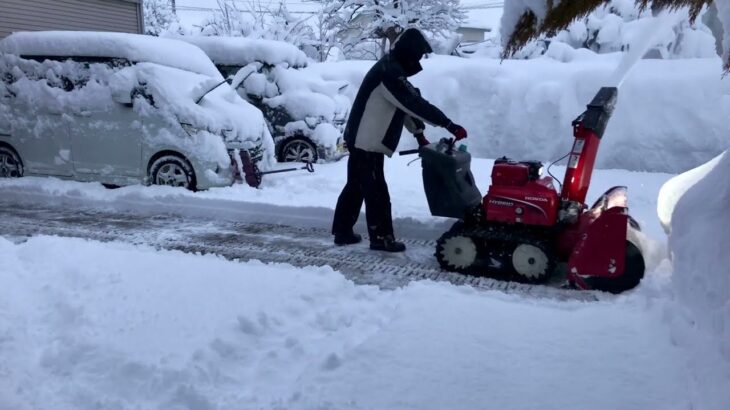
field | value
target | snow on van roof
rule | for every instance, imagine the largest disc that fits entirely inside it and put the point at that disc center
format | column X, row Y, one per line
column 239, row 51
column 133, row 47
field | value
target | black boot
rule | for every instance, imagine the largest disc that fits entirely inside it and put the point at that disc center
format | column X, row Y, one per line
column 349, row 238
column 387, row 243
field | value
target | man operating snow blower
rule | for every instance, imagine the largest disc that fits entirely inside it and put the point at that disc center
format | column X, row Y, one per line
column 384, row 103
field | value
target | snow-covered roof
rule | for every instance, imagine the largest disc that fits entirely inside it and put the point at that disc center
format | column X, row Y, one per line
column 133, row 47
column 241, row 51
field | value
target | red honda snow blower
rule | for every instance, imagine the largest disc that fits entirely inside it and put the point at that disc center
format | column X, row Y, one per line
column 523, row 229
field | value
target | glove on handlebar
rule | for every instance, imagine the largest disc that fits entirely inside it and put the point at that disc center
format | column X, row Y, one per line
column 422, row 141
column 457, row 130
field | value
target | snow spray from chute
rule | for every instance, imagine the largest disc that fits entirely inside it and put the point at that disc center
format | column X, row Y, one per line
column 638, row 49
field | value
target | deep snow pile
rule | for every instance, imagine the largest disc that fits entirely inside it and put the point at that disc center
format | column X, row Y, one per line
column 698, row 243
column 85, row 325
column 673, row 190
column 524, row 109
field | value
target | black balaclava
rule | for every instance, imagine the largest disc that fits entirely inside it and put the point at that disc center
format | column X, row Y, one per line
column 409, row 48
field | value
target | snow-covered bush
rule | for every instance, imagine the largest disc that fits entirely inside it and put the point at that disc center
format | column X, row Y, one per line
column 256, row 20
column 361, row 27
column 159, row 17
column 617, row 25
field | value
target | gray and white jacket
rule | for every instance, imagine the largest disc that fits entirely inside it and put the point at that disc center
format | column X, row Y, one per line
column 385, row 103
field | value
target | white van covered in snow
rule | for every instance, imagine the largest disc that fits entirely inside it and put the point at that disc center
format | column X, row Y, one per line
column 306, row 114
column 121, row 109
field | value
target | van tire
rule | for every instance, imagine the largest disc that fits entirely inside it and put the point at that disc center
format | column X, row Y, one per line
column 298, row 149
column 11, row 166
column 172, row 170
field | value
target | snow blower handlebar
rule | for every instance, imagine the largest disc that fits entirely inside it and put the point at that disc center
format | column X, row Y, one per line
column 448, row 141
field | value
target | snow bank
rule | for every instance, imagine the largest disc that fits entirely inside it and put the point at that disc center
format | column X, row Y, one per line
column 240, row 51
column 524, row 109
column 86, row 325
column 133, row 47
column 675, row 188
column 699, row 246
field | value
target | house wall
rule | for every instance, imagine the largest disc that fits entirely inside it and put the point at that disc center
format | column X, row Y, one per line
column 86, row 15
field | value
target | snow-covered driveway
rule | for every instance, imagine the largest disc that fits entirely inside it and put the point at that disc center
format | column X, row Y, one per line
column 85, row 324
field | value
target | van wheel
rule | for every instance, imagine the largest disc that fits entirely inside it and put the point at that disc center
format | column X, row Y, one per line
column 10, row 164
column 298, row 149
column 172, row 170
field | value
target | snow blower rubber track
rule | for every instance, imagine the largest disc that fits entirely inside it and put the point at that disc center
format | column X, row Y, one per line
column 297, row 246
column 495, row 251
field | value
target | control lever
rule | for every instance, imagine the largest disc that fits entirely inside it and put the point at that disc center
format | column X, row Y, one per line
column 408, row 152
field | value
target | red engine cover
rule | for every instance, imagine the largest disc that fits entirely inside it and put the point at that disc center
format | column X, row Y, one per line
column 532, row 203
column 510, row 173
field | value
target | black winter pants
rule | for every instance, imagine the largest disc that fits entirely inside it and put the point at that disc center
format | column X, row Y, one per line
column 365, row 181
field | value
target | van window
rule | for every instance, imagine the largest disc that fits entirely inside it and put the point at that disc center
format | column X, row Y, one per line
column 79, row 77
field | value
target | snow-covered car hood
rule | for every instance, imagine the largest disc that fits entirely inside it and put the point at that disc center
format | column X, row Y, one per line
column 221, row 111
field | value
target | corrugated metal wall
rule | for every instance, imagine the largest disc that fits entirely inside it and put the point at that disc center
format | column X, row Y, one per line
column 93, row 15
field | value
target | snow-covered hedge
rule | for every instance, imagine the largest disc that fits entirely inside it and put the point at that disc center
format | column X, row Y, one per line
column 671, row 114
